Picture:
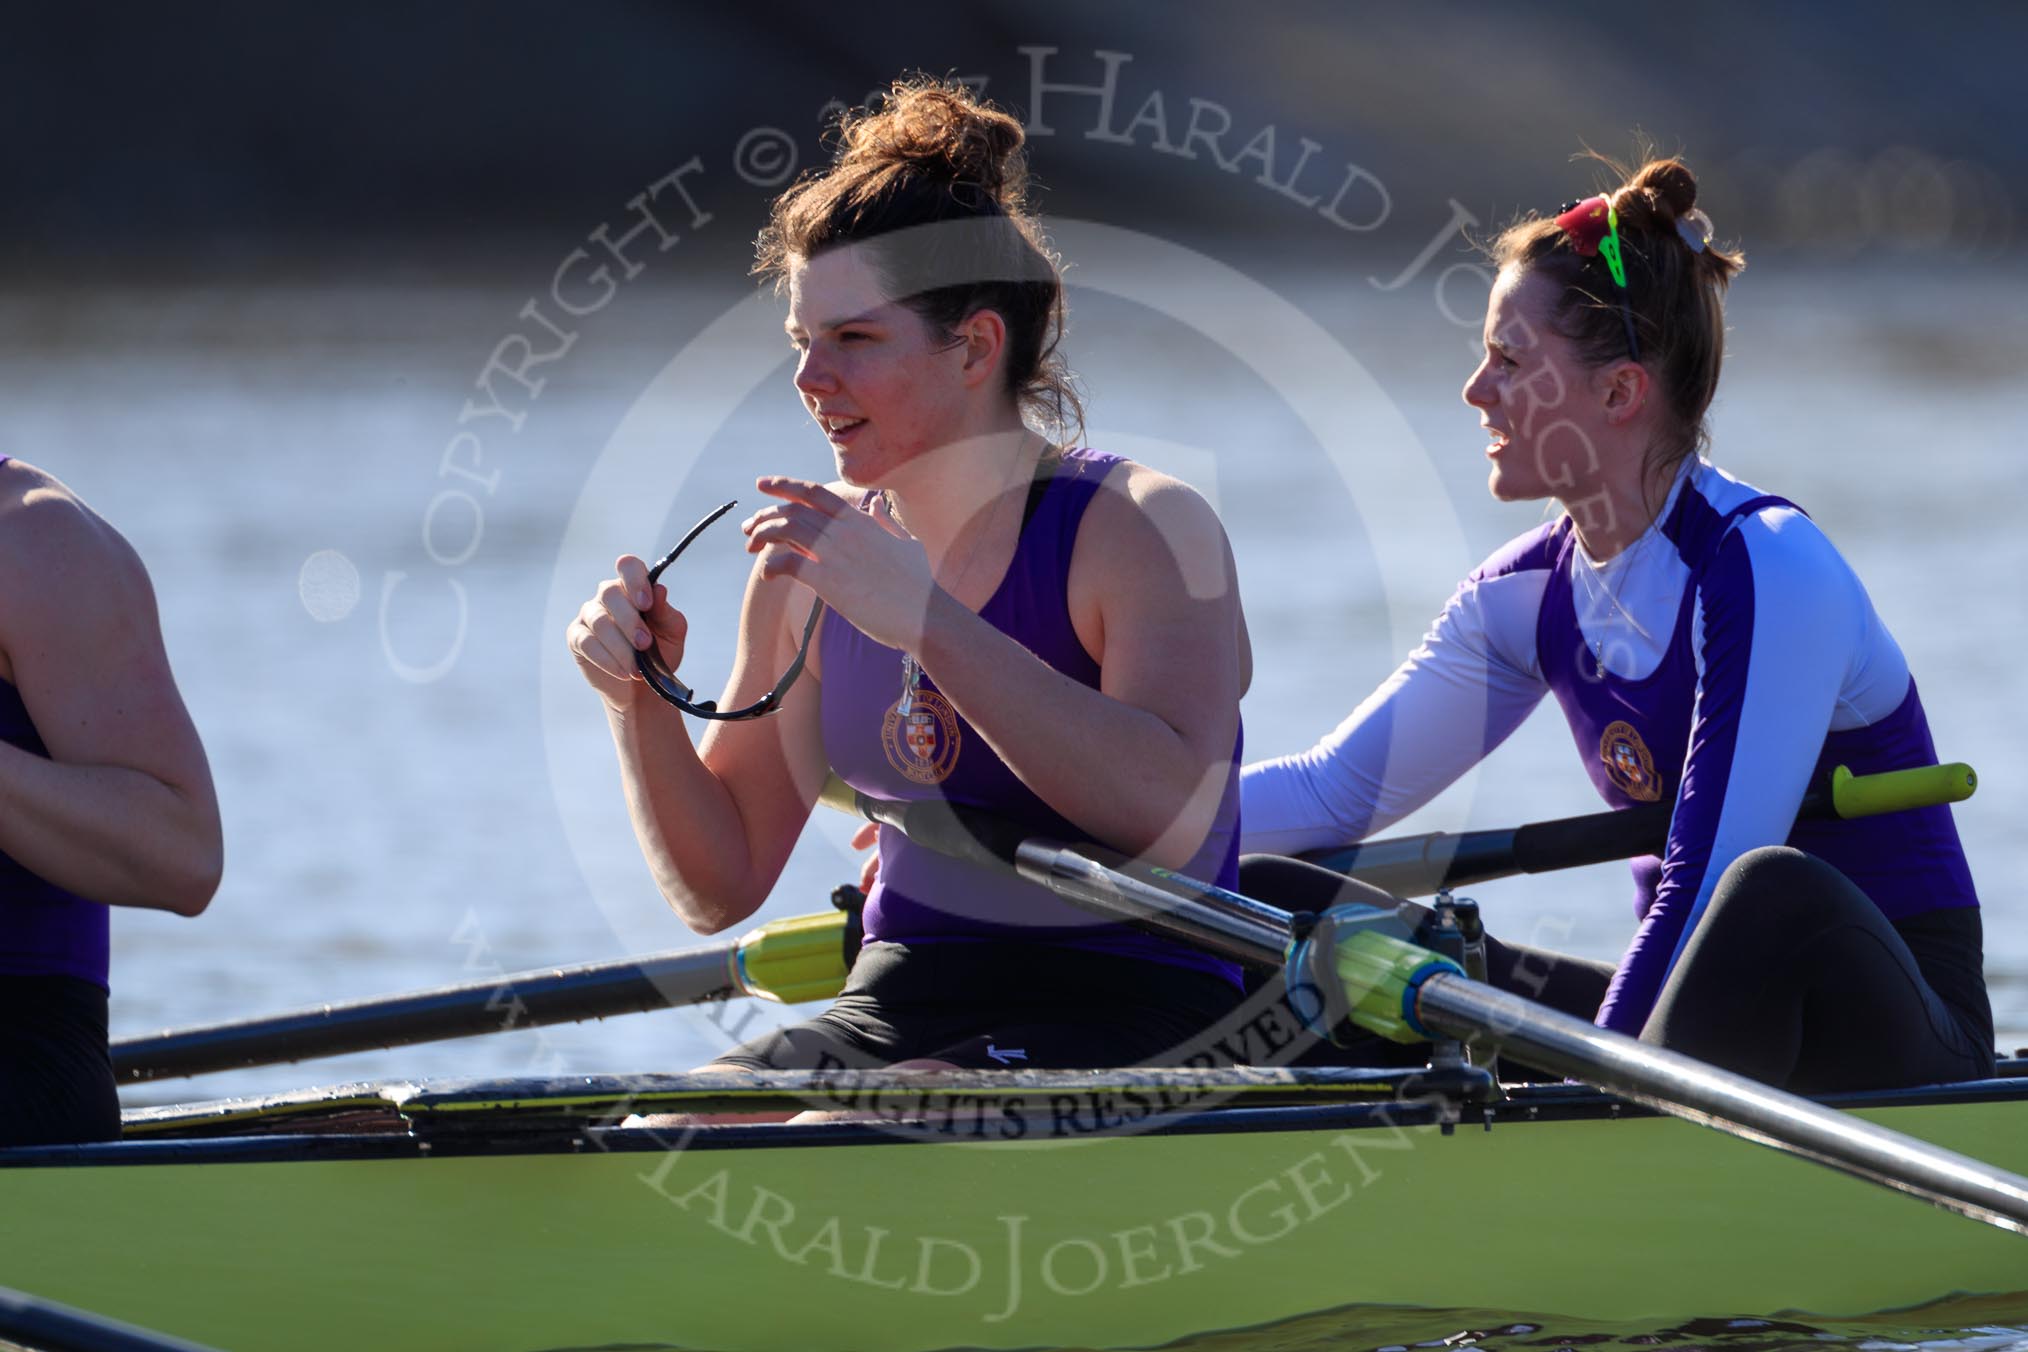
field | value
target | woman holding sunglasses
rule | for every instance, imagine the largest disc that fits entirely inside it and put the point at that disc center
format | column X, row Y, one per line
column 1709, row 647
column 1049, row 633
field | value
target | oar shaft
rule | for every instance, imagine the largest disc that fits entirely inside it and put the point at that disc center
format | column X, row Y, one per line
column 791, row 960
column 51, row 1327
column 526, row 1000
column 1459, row 1007
column 1237, row 927
column 1183, row 908
column 1454, row 1005
column 1687, row 1088
column 1413, row 866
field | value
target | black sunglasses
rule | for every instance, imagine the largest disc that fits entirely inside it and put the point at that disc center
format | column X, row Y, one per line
column 663, row 681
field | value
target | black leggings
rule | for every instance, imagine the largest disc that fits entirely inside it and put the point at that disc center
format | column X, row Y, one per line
column 1793, row 977
column 56, row 1076
column 982, row 1005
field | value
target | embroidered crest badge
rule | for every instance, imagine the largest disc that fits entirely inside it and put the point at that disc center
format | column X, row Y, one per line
column 1628, row 763
column 923, row 743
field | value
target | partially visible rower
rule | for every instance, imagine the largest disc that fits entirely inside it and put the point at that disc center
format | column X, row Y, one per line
column 105, row 799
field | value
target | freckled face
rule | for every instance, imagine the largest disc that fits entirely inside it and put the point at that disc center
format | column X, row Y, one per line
column 869, row 370
column 1534, row 397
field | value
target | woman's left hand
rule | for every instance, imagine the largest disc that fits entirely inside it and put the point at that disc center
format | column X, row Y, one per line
column 862, row 565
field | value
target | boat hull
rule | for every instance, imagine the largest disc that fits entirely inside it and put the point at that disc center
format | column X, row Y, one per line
column 871, row 1238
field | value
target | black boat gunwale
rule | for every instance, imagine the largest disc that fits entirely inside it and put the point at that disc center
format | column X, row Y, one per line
column 410, row 1121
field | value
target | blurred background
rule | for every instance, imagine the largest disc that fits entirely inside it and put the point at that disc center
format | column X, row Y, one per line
column 381, row 330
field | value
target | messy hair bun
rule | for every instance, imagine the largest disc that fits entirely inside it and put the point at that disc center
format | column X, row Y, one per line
column 1658, row 195
column 932, row 154
column 941, row 132
column 1676, row 281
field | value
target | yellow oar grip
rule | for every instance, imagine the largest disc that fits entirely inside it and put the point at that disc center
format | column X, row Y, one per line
column 794, row 960
column 1899, row 790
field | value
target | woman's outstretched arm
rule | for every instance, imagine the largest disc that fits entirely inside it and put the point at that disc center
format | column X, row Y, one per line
column 1462, row 692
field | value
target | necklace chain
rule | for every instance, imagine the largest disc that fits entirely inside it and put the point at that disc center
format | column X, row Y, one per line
column 911, row 670
column 1596, row 579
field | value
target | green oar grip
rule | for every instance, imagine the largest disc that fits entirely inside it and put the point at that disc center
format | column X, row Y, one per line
column 1900, row 790
column 1348, row 966
column 794, row 960
column 1381, row 975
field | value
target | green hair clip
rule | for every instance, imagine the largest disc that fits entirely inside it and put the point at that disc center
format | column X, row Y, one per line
column 1609, row 247
column 1579, row 221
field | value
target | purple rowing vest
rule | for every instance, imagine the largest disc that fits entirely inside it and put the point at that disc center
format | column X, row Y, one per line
column 44, row 930
column 1633, row 735
column 933, row 753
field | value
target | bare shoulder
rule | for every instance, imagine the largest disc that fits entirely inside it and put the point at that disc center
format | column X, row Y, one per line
column 39, row 513
column 53, row 546
column 1134, row 489
column 1145, row 519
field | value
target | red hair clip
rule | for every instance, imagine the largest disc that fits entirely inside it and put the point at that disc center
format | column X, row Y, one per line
column 1585, row 222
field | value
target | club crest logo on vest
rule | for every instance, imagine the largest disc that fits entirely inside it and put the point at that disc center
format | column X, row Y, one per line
column 924, row 745
column 1628, row 763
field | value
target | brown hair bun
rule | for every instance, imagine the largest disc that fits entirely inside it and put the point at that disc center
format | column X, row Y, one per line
column 929, row 127
column 1660, row 193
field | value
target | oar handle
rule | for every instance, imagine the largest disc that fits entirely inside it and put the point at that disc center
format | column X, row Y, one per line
column 1411, row 866
column 951, row 829
column 800, row 958
column 1900, row 790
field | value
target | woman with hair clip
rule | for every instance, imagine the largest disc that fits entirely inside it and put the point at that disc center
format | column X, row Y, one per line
column 1050, row 633
column 1709, row 647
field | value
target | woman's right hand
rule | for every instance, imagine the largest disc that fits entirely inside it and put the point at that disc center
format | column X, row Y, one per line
column 622, row 618
column 865, row 838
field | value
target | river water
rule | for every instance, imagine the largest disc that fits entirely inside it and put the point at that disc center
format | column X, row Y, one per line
column 365, row 612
